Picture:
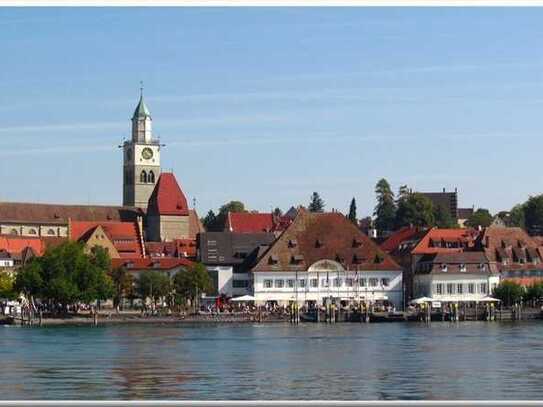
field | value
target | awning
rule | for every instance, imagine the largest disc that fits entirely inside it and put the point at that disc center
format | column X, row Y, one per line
column 489, row 299
column 243, row 298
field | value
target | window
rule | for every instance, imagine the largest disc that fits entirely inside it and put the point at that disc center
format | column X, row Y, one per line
column 290, row 283
column 462, row 268
column 385, row 282
column 279, row 283
column 268, row 283
column 471, row 288
column 459, row 288
column 374, row 282
column 314, row 282
column 302, row 283
column 349, row 282
column 324, row 282
column 450, row 288
column 151, row 177
column 444, row 268
column 143, row 177
column 362, row 282
column 337, row 282
column 13, row 232
column 32, row 232
column 51, row 232
column 439, row 289
column 494, row 285
column 482, row 288
column 240, row 283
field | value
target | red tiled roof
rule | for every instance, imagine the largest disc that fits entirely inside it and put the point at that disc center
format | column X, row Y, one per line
column 167, row 197
column 124, row 235
column 248, row 222
column 151, row 263
column 16, row 244
column 464, row 237
column 324, row 236
column 394, row 240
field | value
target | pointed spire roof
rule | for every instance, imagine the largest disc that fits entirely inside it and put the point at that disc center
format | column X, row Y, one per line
column 141, row 109
column 167, row 197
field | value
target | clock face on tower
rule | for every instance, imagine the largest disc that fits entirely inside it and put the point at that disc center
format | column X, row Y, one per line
column 147, row 153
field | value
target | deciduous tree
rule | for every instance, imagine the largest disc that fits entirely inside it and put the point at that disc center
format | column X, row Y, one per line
column 415, row 209
column 481, row 217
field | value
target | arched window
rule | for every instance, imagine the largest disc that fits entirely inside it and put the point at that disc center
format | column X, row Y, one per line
column 13, row 232
column 143, row 177
column 32, row 231
column 151, row 177
column 51, row 232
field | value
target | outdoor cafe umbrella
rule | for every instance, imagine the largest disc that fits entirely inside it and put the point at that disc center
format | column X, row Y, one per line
column 243, row 298
column 421, row 300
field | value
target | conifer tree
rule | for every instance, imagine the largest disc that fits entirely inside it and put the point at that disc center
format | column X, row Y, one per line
column 352, row 212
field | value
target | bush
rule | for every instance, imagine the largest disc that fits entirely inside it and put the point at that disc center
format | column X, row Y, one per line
column 509, row 292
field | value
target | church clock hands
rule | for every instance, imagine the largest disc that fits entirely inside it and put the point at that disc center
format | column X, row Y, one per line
column 147, row 153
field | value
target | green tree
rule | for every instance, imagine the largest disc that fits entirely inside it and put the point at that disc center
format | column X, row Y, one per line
column 508, row 292
column 316, row 203
column 443, row 218
column 534, row 292
column 190, row 283
column 517, row 217
column 123, row 284
column 7, row 286
column 210, row 221
column 481, row 217
column 385, row 211
column 533, row 214
column 352, row 212
column 415, row 209
column 154, row 285
column 66, row 274
column 232, row 206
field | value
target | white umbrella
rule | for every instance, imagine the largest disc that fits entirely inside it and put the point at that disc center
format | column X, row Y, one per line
column 489, row 299
column 243, row 298
column 421, row 300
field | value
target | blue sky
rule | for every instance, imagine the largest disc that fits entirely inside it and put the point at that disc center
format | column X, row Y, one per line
column 267, row 105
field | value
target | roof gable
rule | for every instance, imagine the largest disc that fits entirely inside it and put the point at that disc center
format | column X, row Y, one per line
column 167, row 197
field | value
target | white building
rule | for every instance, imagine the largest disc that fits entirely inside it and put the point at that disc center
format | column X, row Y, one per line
column 323, row 255
column 455, row 277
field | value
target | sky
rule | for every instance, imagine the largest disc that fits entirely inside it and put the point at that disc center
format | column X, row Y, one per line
column 267, row 105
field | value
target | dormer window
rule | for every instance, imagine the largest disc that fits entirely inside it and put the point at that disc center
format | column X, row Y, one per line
column 357, row 259
column 129, row 264
column 297, row 259
column 482, row 267
column 155, row 264
column 339, row 259
column 444, row 268
column 318, row 243
column 292, row 243
column 462, row 268
column 273, row 259
column 357, row 242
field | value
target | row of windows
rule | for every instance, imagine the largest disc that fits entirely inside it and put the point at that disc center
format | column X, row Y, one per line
column 336, row 282
column 452, row 288
column 145, row 177
column 50, row 232
column 240, row 283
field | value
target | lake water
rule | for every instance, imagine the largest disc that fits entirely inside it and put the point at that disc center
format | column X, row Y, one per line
column 469, row 360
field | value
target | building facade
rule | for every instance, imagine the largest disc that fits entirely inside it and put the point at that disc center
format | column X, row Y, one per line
column 324, row 256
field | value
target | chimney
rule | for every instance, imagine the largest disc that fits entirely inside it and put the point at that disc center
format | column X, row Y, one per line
column 455, row 189
column 443, row 189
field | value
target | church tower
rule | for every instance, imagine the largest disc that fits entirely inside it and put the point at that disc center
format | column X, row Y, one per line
column 141, row 159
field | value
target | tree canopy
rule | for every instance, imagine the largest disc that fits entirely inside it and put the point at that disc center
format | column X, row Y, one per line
column 216, row 223
column 67, row 274
column 316, row 204
column 385, row 210
column 508, row 292
column 533, row 214
column 481, row 217
column 154, row 285
column 352, row 212
column 7, row 286
column 123, row 284
column 443, row 218
column 190, row 283
column 414, row 209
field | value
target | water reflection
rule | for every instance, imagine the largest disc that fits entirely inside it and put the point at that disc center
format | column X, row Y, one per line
column 274, row 362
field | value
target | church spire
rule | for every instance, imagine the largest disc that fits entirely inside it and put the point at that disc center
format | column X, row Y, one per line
column 141, row 109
